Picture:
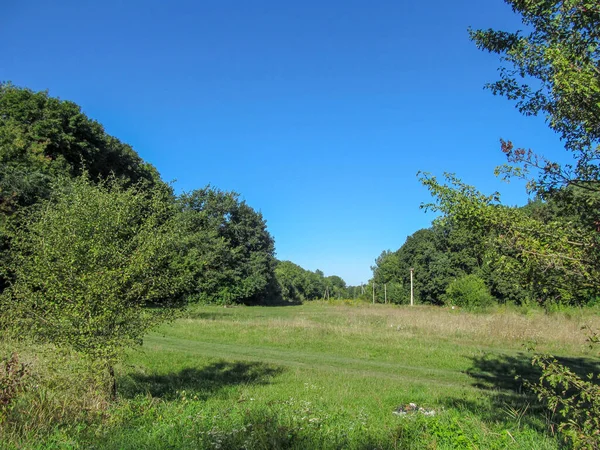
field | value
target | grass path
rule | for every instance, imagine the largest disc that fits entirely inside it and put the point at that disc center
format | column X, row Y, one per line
column 315, row 360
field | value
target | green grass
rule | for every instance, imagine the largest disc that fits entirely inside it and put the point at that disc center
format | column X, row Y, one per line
column 329, row 376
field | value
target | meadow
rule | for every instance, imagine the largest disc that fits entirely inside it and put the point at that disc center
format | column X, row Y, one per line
column 319, row 375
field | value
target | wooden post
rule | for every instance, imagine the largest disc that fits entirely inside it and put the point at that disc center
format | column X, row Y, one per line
column 412, row 301
column 373, row 292
column 385, row 292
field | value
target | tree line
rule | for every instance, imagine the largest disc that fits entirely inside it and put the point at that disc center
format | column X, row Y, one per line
column 459, row 251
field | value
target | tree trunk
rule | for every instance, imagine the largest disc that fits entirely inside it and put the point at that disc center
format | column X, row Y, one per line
column 113, row 382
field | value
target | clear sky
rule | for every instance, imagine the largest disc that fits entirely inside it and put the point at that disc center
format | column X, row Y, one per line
column 320, row 113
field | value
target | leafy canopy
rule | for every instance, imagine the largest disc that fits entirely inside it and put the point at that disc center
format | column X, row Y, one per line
column 225, row 248
column 552, row 70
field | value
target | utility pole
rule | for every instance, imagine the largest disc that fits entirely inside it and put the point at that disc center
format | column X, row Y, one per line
column 412, row 301
column 385, row 292
column 373, row 292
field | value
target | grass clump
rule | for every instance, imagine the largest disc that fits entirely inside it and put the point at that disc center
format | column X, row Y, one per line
column 53, row 390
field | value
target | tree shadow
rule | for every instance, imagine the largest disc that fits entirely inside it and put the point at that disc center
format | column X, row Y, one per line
column 208, row 315
column 504, row 378
column 510, row 372
column 199, row 382
column 278, row 301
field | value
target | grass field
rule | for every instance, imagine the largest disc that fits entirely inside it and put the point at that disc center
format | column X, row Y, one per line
column 331, row 376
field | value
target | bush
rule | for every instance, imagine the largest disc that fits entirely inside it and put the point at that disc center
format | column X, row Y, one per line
column 574, row 399
column 91, row 266
column 468, row 291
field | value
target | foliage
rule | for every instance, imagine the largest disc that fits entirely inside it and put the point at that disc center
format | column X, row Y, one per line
column 91, row 267
column 557, row 258
column 575, row 399
column 468, row 291
column 297, row 284
column 554, row 70
column 225, row 248
column 438, row 255
column 387, row 272
column 43, row 138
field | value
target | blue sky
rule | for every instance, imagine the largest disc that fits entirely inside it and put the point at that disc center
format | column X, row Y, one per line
column 320, row 113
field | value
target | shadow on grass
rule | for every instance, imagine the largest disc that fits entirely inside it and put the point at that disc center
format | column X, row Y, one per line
column 201, row 382
column 279, row 302
column 503, row 378
column 508, row 373
column 208, row 315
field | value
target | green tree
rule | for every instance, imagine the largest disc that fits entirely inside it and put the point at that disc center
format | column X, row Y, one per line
column 42, row 138
column 292, row 279
column 298, row 284
column 553, row 70
column 438, row 255
column 225, row 248
column 555, row 260
column 93, row 268
column 388, row 271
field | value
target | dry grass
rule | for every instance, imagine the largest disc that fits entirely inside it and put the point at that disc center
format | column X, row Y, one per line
column 61, row 387
column 506, row 328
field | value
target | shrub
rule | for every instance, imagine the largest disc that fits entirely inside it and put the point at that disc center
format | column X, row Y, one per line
column 91, row 266
column 576, row 400
column 468, row 291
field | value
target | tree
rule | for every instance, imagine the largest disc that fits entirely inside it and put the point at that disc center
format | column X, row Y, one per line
column 387, row 271
column 225, row 248
column 438, row 255
column 43, row 138
column 556, row 259
column 292, row 280
column 93, row 268
column 336, row 286
column 554, row 70
column 298, row 284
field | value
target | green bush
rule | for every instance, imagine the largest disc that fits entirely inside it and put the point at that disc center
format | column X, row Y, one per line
column 468, row 291
column 573, row 400
column 93, row 268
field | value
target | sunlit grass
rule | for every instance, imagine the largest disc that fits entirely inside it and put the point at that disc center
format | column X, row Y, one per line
column 331, row 376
